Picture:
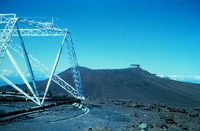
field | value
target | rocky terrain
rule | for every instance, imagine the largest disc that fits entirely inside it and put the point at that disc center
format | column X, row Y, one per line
column 132, row 83
column 105, row 115
column 130, row 99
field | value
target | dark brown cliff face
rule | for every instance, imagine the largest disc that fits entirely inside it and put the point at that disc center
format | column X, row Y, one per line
column 132, row 83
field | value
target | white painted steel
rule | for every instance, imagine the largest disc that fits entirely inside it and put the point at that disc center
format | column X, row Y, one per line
column 6, row 36
column 54, row 68
column 21, row 74
column 37, row 32
column 43, row 69
column 18, row 89
column 38, row 28
column 29, row 66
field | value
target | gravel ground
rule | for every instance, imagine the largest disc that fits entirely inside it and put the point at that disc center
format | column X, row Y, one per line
column 104, row 114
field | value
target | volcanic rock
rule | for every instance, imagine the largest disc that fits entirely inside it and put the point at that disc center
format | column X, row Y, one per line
column 131, row 83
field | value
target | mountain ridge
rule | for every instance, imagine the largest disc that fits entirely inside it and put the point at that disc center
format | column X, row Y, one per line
column 132, row 83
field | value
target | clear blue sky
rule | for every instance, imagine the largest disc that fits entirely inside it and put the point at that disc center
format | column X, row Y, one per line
column 163, row 36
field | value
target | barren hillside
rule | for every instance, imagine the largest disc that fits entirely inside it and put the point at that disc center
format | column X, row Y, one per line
column 132, row 83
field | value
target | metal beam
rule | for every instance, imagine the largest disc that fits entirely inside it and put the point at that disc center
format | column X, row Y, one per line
column 21, row 74
column 38, row 28
column 74, row 66
column 29, row 66
column 6, row 36
column 54, row 68
column 17, row 88
column 4, row 18
column 36, row 32
column 43, row 69
column 40, row 25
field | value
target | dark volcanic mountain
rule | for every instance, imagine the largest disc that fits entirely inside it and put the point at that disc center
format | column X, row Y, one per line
column 132, row 83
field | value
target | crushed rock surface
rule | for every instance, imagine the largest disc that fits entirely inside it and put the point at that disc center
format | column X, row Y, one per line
column 104, row 115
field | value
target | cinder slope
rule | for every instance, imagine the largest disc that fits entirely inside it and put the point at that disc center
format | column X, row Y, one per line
column 133, row 83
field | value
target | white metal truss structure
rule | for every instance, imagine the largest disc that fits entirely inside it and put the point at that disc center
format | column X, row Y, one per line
column 37, row 28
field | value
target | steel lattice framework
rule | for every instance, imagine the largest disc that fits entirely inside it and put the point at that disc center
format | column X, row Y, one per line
column 37, row 28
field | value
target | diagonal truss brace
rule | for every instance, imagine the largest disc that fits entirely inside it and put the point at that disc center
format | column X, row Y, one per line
column 74, row 65
column 22, row 75
column 6, row 36
column 5, row 18
column 42, row 68
column 42, row 29
column 18, row 89
column 54, row 68
column 29, row 66
column 36, row 32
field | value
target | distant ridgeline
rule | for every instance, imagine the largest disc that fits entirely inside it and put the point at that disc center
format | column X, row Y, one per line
column 15, row 80
column 18, row 80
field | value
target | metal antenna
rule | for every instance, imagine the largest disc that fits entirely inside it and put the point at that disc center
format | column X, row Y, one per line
column 39, row 29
